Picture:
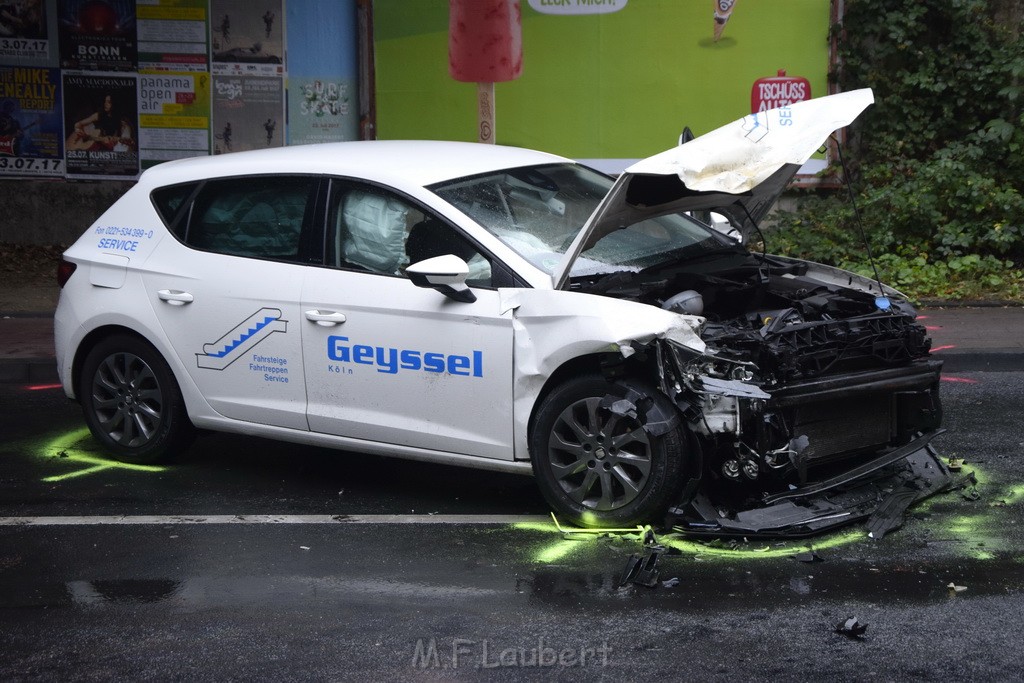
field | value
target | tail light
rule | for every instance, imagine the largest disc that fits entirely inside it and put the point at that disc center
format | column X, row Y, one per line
column 65, row 269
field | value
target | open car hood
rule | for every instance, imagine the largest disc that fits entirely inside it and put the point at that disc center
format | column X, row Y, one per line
column 738, row 170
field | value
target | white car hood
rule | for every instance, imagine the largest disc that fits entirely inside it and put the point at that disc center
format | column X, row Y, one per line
column 738, row 169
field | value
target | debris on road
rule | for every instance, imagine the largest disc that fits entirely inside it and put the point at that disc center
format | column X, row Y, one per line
column 642, row 570
column 808, row 557
column 852, row 628
column 880, row 491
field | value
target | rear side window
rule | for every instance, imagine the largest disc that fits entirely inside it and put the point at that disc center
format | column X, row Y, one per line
column 169, row 202
column 260, row 217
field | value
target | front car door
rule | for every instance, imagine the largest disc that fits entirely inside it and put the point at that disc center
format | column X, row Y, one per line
column 387, row 361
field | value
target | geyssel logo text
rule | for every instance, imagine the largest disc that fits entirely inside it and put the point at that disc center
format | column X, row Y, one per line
column 390, row 360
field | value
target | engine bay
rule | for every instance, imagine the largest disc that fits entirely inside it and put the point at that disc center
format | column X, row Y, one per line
column 770, row 312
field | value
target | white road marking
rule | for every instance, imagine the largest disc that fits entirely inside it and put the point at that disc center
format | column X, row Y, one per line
column 159, row 520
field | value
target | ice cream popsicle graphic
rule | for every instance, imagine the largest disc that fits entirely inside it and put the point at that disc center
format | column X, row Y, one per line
column 723, row 10
column 485, row 46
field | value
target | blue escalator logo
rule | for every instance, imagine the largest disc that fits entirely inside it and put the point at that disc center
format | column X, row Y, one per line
column 241, row 338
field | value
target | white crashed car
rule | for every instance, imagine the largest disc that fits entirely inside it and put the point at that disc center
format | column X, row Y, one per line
column 499, row 308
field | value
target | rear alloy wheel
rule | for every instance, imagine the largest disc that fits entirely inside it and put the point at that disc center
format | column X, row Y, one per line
column 597, row 467
column 131, row 401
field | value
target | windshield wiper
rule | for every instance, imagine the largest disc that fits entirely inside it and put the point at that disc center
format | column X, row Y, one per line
column 679, row 257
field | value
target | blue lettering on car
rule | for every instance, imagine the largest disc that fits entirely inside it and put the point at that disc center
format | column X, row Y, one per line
column 390, row 360
column 118, row 245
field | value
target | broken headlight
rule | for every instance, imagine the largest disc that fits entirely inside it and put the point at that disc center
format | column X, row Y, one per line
column 693, row 366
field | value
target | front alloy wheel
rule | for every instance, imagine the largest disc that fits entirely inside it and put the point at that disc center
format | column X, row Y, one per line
column 602, row 467
column 602, row 461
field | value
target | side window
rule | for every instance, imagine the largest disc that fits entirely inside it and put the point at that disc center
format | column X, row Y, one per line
column 169, row 201
column 374, row 230
column 260, row 216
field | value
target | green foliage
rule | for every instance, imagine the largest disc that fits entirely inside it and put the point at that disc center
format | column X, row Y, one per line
column 938, row 161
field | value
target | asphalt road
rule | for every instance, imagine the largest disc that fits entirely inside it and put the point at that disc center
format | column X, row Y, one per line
column 254, row 560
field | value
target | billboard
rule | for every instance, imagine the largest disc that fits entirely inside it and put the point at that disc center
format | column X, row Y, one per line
column 600, row 80
column 100, row 125
column 30, row 122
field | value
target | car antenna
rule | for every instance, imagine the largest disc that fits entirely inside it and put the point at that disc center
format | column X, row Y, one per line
column 881, row 300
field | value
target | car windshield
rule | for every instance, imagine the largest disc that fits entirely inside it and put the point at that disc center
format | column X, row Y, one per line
column 538, row 211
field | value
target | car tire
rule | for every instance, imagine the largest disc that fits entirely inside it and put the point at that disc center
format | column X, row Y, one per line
column 131, row 401
column 596, row 467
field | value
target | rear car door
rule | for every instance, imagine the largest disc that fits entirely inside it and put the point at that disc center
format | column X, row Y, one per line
column 227, row 291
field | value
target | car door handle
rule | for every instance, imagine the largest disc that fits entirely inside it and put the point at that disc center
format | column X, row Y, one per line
column 325, row 319
column 175, row 297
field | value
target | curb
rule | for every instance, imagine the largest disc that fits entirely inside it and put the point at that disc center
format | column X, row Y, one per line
column 932, row 304
column 981, row 361
column 34, row 370
column 26, row 314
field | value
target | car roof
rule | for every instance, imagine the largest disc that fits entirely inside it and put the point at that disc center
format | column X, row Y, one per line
column 395, row 162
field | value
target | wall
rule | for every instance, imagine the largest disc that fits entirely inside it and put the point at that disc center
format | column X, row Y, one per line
column 91, row 94
column 53, row 211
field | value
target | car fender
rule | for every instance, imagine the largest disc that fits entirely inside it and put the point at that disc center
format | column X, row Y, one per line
column 113, row 311
column 553, row 327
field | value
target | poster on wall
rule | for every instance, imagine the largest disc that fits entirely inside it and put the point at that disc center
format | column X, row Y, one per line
column 173, row 35
column 30, row 122
column 248, row 113
column 100, row 123
column 97, row 35
column 24, row 32
column 174, row 116
column 247, row 37
column 321, row 110
column 322, row 73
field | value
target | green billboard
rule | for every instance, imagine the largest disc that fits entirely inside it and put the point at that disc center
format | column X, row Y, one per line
column 601, row 79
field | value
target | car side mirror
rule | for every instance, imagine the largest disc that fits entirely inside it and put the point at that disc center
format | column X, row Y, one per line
column 447, row 274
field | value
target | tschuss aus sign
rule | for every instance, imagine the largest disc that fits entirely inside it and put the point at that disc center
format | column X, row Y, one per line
column 778, row 91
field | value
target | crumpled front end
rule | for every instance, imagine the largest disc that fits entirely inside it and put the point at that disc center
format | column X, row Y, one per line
column 802, row 414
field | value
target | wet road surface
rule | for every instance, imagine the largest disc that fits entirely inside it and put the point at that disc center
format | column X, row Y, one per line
column 250, row 559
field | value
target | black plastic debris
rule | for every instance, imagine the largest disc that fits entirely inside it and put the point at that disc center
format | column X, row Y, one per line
column 808, row 557
column 851, row 628
column 824, row 505
column 889, row 515
column 970, row 494
column 642, row 570
column 967, row 484
column 963, row 481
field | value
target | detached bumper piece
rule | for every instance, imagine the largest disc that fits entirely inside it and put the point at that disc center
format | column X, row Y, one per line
column 879, row 490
